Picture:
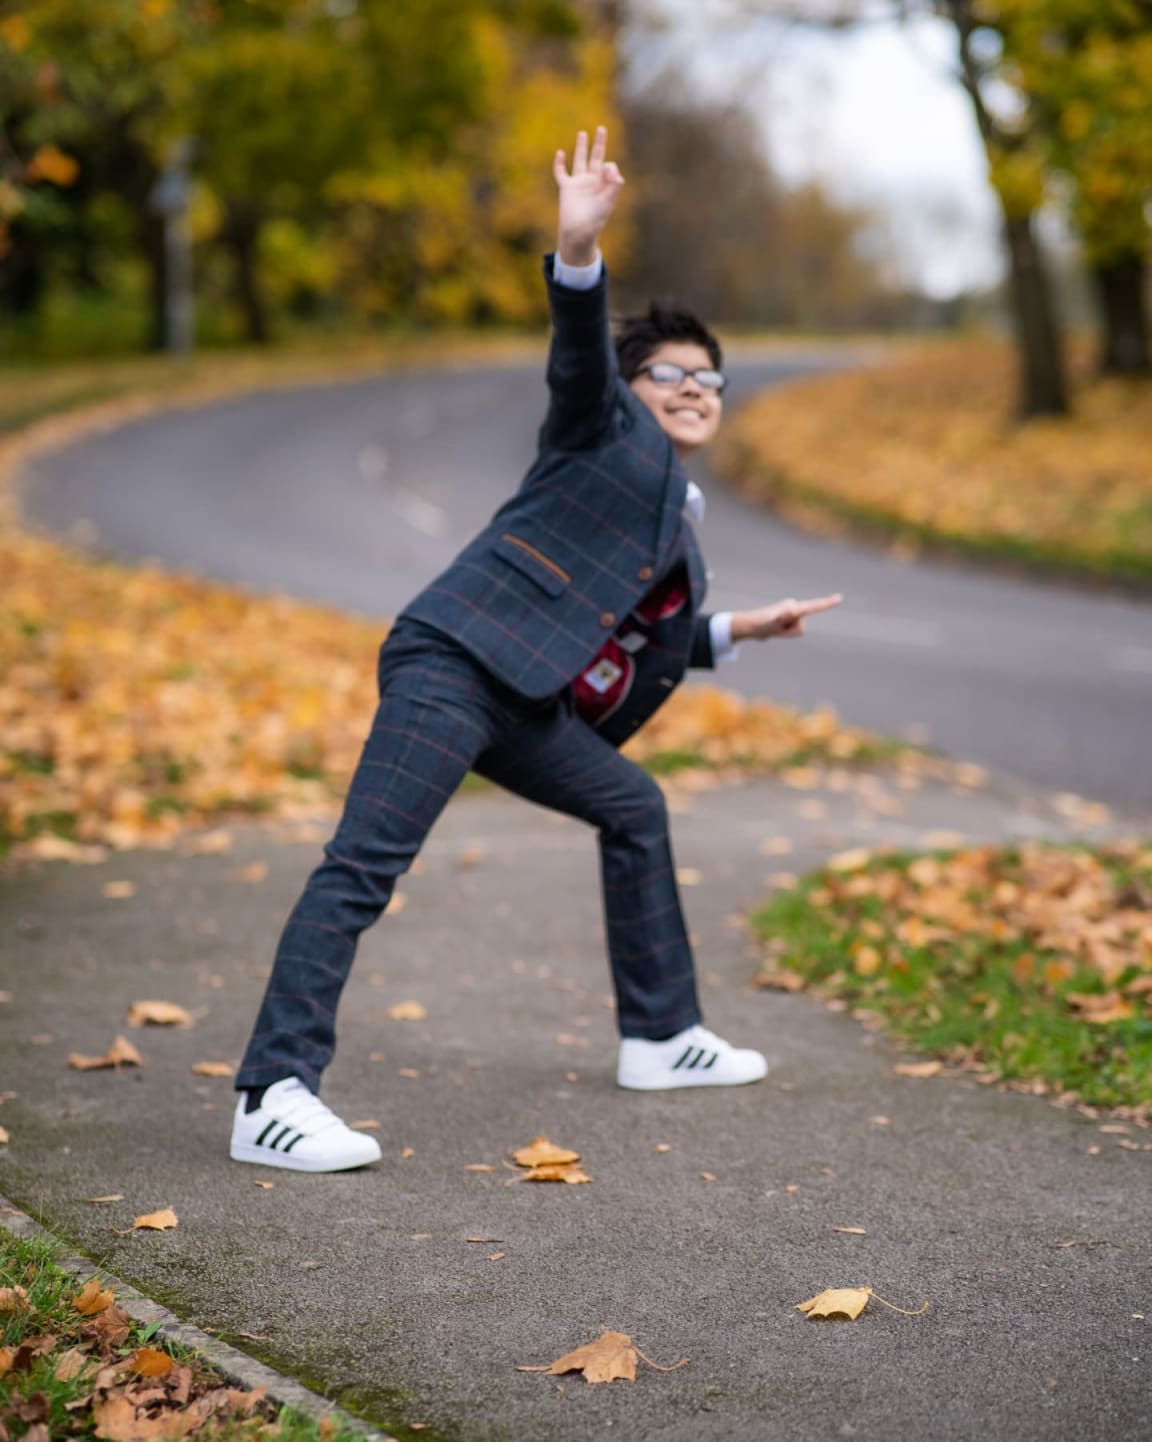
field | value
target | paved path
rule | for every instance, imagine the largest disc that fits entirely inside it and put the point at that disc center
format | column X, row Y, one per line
column 365, row 1284
column 357, row 494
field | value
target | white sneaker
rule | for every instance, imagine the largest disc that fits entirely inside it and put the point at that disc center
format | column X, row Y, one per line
column 292, row 1128
column 692, row 1058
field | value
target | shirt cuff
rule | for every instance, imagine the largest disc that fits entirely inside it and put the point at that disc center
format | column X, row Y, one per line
column 578, row 277
column 720, row 634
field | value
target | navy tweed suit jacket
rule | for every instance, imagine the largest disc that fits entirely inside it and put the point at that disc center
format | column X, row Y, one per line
column 597, row 520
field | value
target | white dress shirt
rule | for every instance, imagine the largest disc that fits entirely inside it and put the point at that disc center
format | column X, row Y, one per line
column 584, row 277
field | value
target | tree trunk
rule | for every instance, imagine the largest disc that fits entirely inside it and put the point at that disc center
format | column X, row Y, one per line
column 1043, row 390
column 151, row 229
column 242, row 237
column 1040, row 356
column 1124, row 344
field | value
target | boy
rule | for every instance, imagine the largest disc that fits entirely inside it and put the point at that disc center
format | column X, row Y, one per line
column 545, row 644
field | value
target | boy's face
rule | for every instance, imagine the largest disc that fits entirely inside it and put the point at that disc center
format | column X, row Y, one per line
column 688, row 413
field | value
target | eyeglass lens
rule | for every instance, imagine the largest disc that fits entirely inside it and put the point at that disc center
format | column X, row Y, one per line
column 668, row 374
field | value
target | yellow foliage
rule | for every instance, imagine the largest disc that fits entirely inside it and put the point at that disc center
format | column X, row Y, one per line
column 921, row 445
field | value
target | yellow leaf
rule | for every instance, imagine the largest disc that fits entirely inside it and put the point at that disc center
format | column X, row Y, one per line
column 13, row 1299
column 850, row 860
column 846, row 1302
column 158, row 1013
column 851, row 1231
column 1100, row 1008
column 542, row 1152
column 407, row 1011
column 255, row 872
column 150, row 1362
column 93, row 1298
column 160, row 1221
column 611, row 1357
column 918, row 1068
column 556, row 1173
column 688, row 876
column 213, row 1068
column 5, row 1136
column 366, row 1126
column 780, row 981
column 120, row 1053
column 866, row 960
column 119, row 890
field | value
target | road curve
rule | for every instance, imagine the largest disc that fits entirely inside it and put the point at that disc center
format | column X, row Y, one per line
column 357, row 493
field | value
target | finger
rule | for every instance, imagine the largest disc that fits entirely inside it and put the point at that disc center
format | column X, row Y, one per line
column 580, row 159
column 599, row 147
column 559, row 167
column 821, row 603
column 612, row 174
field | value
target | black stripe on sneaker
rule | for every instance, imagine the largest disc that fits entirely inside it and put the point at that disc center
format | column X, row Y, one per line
column 299, row 1137
column 279, row 1137
column 696, row 1060
column 713, row 1058
column 687, row 1052
column 270, row 1127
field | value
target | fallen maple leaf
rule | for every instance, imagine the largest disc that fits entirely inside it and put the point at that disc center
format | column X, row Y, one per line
column 471, row 856
column 213, row 1068
column 160, row 1221
column 120, row 1053
column 611, row 1357
column 254, row 872
column 1098, row 1009
column 208, row 843
column 847, row 1302
column 780, row 981
column 854, row 860
column 70, row 1364
column 407, row 1011
column 5, row 1136
column 553, row 1173
column 116, row 1421
column 93, row 1298
column 13, row 1299
column 264, row 1186
column 158, row 1013
column 542, row 1152
column 918, row 1068
column 150, row 1362
column 687, row 876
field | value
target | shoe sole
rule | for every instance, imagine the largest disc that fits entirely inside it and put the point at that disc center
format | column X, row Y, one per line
column 681, row 1083
column 261, row 1157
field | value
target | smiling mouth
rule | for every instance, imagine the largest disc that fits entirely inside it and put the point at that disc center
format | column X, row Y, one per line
column 687, row 411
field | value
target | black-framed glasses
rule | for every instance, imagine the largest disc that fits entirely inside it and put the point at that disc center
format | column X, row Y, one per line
column 666, row 373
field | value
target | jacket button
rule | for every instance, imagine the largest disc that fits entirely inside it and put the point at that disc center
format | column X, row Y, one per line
column 608, row 619
column 644, row 573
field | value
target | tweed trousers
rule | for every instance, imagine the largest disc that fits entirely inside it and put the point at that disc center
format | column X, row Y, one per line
column 441, row 715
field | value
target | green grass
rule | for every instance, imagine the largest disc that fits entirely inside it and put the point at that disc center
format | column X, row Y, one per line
column 48, row 1313
column 966, row 998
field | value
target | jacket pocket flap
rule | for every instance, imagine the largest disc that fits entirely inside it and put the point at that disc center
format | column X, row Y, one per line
column 532, row 562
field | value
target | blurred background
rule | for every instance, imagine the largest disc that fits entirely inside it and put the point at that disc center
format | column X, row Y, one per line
column 219, row 172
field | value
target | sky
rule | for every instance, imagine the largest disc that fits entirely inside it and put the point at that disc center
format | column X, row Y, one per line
column 873, row 113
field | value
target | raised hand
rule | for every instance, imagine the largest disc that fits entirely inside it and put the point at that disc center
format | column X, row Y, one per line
column 587, row 196
column 785, row 618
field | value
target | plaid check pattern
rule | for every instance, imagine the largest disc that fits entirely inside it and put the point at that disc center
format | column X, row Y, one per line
column 476, row 675
column 441, row 715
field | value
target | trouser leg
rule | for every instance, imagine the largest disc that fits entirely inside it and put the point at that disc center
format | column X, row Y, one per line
column 567, row 767
column 431, row 723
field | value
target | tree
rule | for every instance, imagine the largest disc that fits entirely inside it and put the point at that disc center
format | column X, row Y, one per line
column 1086, row 69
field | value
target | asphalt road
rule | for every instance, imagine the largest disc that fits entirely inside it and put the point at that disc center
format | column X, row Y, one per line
column 357, row 494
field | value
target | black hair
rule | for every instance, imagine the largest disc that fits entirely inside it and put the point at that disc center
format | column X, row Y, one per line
column 639, row 335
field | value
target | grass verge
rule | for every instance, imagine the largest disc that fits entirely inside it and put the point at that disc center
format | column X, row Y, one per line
column 74, row 1365
column 1031, row 964
column 921, row 451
